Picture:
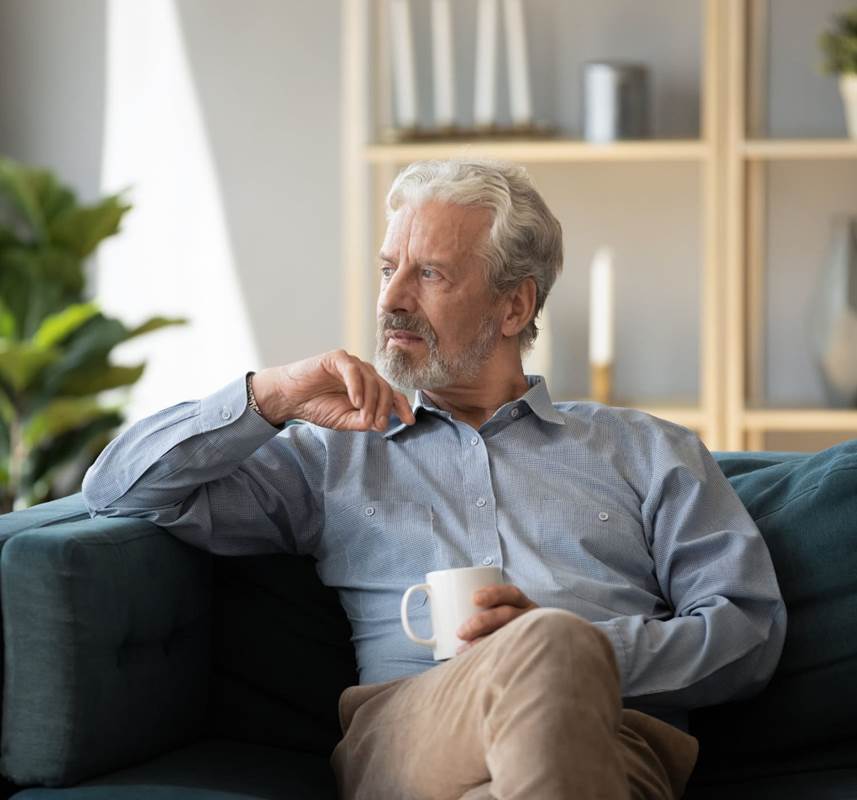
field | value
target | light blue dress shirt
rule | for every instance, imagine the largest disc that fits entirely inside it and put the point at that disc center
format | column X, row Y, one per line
column 610, row 513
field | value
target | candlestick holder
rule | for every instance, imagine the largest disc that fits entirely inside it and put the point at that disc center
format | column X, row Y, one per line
column 601, row 382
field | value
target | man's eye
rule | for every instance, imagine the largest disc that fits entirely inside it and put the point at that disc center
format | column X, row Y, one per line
column 387, row 272
column 429, row 273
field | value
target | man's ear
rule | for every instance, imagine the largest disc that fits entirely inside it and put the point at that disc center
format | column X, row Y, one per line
column 520, row 307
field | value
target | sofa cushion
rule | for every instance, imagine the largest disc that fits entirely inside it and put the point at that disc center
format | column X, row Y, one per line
column 282, row 654
column 209, row 770
column 806, row 508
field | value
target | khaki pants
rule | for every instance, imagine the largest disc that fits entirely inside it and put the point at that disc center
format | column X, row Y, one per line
column 532, row 712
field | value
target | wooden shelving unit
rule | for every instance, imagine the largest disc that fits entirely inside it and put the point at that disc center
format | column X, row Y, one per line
column 729, row 413
column 747, row 154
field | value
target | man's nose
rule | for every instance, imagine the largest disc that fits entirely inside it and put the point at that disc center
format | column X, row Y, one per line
column 398, row 295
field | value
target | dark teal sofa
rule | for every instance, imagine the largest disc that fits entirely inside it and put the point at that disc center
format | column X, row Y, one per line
column 138, row 667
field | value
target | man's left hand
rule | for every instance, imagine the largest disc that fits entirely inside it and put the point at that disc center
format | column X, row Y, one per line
column 503, row 603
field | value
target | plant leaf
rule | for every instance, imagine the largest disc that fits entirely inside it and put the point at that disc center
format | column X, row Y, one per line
column 91, row 381
column 18, row 185
column 55, row 328
column 80, row 230
column 63, row 414
column 21, row 362
column 155, row 323
column 88, row 439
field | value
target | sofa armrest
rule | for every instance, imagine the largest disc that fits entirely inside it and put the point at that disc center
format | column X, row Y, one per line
column 107, row 647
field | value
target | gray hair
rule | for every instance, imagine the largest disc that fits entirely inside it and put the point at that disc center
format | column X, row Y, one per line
column 525, row 239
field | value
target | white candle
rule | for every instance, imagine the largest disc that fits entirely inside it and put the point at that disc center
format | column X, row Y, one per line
column 441, row 40
column 404, row 76
column 486, row 63
column 519, row 77
column 601, row 308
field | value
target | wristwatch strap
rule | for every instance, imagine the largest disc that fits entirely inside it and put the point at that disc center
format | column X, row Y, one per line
column 251, row 398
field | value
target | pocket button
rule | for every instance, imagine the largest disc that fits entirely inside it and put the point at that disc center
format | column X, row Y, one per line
column 603, row 516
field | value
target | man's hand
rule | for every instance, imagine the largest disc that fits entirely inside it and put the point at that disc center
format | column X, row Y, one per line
column 503, row 602
column 334, row 390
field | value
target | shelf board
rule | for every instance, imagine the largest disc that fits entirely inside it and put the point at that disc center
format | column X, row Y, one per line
column 808, row 149
column 800, row 419
column 550, row 151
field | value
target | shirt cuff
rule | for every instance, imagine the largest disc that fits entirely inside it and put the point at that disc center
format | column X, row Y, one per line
column 227, row 408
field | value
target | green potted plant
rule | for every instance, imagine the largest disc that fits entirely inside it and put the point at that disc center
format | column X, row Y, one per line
column 840, row 51
column 55, row 344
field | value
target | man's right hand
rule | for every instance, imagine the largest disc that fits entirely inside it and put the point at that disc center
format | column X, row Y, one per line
column 334, row 390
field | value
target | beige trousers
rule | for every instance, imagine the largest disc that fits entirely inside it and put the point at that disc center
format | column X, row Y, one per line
column 532, row 712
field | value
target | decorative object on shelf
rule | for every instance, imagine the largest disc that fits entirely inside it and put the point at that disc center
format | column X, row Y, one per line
column 443, row 65
column 407, row 128
column 833, row 315
column 615, row 101
column 538, row 360
column 55, row 344
column 601, row 314
column 485, row 82
column 520, row 105
column 840, row 51
column 404, row 73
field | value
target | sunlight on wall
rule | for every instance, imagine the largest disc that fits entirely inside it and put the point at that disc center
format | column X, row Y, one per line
column 174, row 256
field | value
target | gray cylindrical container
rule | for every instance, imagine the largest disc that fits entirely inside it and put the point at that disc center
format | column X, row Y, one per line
column 615, row 101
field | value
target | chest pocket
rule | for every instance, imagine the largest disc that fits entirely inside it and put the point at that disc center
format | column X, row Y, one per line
column 387, row 545
column 587, row 543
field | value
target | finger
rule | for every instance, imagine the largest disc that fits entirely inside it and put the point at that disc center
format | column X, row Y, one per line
column 500, row 595
column 487, row 622
column 370, row 395
column 403, row 408
column 385, row 404
column 352, row 377
column 468, row 645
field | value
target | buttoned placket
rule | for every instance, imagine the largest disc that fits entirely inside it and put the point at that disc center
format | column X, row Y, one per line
column 479, row 500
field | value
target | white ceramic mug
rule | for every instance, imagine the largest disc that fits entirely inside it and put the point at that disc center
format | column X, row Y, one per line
column 450, row 593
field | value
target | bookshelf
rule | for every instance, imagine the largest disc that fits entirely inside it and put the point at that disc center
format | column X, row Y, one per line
column 729, row 411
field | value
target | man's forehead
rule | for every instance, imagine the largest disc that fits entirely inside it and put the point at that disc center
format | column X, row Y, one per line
column 444, row 229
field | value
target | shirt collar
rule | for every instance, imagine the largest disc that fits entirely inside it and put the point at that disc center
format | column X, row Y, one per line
column 536, row 397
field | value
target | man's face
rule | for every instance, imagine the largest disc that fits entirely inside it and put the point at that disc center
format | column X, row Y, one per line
column 437, row 324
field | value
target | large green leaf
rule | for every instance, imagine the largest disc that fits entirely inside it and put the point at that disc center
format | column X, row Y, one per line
column 80, row 229
column 94, row 380
column 86, row 347
column 60, row 416
column 18, row 186
column 55, row 328
column 21, row 362
column 87, row 441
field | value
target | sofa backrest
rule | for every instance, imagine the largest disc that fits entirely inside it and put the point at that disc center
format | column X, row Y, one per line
column 805, row 505
column 281, row 653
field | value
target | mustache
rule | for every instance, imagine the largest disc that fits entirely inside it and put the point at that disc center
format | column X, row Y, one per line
column 409, row 323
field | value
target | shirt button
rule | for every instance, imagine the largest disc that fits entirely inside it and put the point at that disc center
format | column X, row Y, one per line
column 474, row 441
column 487, row 561
column 515, row 412
column 370, row 511
column 481, row 502
column 603, row 516
column 225, row 413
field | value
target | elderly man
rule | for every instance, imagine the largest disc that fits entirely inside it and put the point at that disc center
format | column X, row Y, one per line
column 636, row 584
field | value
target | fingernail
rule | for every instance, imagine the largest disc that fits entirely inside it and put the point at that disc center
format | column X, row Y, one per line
column 358, row 401
column 382, row 421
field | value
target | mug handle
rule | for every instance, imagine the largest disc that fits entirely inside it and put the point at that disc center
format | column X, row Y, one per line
column 406, row 624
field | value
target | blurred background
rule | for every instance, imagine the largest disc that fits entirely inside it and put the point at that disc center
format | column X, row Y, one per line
column 707, row 170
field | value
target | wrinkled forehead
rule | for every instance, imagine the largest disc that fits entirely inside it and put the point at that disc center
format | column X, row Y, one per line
column 437, row 231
